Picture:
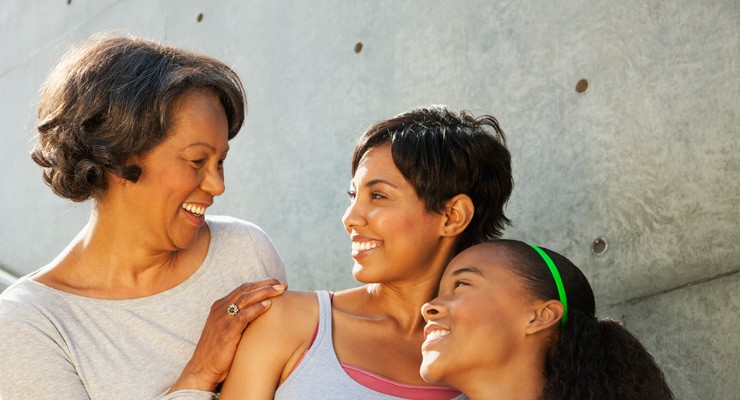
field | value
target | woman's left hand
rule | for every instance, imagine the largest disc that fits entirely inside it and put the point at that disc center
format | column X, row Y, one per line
column 223, row 330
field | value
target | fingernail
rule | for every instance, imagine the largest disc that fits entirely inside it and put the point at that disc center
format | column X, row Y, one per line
column 266, row 303
column 279, row 287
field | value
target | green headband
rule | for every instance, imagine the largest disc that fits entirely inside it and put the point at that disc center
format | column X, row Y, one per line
column 558, row 282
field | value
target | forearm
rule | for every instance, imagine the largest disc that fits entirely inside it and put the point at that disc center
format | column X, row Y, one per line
column 191, row 381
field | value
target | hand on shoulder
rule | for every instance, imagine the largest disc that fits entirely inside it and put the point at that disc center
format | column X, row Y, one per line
column 272, row 345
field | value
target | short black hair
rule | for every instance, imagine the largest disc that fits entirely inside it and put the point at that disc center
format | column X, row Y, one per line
column 444, row 152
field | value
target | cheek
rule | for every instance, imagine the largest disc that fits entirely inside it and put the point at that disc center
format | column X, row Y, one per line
column 484, row 325
column 402, row 224
column 503, row 331
column 414, row 228
column 178, row 179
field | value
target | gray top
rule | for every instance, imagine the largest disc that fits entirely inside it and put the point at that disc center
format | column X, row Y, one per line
column 55, row 344
column 319, row 374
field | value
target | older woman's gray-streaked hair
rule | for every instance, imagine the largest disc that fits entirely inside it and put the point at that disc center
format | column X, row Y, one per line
column 109, row 98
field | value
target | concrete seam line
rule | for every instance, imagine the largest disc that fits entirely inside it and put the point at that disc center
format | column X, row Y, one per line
column 673, row 289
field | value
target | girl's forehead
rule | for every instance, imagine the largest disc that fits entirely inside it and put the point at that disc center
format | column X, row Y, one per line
column 488, row 259
column 482, row 255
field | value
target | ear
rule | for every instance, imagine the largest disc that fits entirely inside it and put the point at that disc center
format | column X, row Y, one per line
column 115, row 179
column 136, row 161
column 457, row 215
column 544, row 316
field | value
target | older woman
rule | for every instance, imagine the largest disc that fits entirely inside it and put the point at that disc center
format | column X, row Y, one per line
column 425, row 185
column 141, row 129
column 515, row 321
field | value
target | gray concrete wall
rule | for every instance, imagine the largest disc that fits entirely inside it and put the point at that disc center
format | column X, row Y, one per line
column 646, row 157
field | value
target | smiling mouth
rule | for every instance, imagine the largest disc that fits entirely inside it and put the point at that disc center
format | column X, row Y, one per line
column 433, row 336
column 196, row 210
column 365, row 246
column 437, row 334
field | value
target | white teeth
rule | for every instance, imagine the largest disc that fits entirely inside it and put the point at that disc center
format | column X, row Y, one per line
column 437, row 334
column 361, row 246
column 197, row 210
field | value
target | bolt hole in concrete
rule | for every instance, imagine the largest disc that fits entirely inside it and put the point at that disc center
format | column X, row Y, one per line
column 200, row 17
column 581, row 86
column 599, row 246
column 358, row 47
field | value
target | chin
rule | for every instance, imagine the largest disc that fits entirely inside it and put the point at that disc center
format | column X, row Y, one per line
column 184, row 242
column 430, row 371
column 361, row 274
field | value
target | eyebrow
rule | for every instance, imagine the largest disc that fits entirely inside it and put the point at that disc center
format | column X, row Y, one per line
column 204, row 144
column 463, row 270
column 374, row 182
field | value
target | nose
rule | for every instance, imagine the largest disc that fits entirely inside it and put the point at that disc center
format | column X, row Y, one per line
column 353, row 215
column 432, row 310
column 213, row 181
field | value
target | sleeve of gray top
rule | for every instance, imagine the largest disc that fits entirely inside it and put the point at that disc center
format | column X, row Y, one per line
column 32, row 356
column 268, row 254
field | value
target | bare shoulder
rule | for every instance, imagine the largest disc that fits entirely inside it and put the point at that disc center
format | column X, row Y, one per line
column 349, row 300
column 290, row 319
column 276, row 340
column 294, row 305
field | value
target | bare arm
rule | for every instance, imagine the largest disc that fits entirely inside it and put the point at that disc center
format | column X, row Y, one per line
column 271, row 347
column 215, row 350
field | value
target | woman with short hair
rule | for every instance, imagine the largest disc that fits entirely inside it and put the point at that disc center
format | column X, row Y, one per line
column 425, row 185
column 142, row 129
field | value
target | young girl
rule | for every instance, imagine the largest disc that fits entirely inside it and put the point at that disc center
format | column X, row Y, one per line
column 513, row 321
column 425, row 185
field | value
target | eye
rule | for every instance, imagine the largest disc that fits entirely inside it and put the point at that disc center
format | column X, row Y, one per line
column 351, row 194
column 459, row 283
column 377, row 196
column 198, row 163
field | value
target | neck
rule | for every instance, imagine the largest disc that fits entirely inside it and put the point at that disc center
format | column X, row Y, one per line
column 522, row 387
column 400, row 303
column 402, row 300
column 111, row 258
column 122, row 245
column 522, row 378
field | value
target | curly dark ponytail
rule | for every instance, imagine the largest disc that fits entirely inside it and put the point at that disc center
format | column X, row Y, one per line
column 602, row 360
column 594, row 359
